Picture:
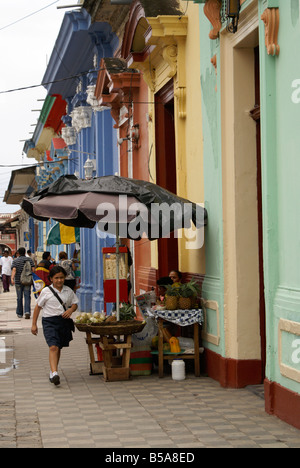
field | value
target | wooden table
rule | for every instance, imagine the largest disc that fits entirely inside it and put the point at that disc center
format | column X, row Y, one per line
column 162, row 356
column 113, row 367
column 95, row 366
column 115, row 342
column 116, row 367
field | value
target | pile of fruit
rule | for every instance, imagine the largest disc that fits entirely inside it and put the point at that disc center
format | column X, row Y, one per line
column 127, row 313
column 154, row 345
column 170, row 344
column 94, row 319
column 182, row 296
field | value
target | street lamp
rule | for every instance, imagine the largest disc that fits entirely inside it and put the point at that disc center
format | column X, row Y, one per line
column 233, row 12
column 88, row 169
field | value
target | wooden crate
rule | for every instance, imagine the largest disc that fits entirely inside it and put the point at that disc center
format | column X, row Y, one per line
column 116, row 367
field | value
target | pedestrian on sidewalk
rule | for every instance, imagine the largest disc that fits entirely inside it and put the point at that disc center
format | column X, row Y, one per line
column 70, row 268
column 58, row 302
column 5, row 270
column 44, row 267
column 32, row 256
column 21, row 290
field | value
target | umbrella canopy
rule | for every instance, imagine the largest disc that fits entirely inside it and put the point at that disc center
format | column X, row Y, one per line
column 113, row 200
column 61, row 234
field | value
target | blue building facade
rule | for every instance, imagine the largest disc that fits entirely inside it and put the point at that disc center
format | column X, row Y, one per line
column 88, row 131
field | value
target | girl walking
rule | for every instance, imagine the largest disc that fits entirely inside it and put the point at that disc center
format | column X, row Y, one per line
column 58, row 302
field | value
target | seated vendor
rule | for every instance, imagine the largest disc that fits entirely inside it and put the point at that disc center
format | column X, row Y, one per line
column 162, row 283
column 176, row 277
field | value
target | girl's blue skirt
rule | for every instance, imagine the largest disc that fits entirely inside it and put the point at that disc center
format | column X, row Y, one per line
column 58, row 331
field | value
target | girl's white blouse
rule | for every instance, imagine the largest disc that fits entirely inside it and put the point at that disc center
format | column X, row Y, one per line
column 50, row 305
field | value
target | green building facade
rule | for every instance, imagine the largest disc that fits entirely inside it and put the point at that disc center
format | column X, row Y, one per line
column 250, row 85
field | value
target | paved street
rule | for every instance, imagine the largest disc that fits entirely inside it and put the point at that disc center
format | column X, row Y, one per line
column 145, row 412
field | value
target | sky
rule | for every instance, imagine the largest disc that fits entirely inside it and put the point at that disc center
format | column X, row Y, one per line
column 25, row 50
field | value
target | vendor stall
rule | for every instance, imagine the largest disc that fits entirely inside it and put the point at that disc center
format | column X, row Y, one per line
column 114, row 339
column 182, row 318
column 84, row 203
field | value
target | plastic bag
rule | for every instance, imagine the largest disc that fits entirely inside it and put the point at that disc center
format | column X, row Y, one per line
column 143, row 339
column 186, row 342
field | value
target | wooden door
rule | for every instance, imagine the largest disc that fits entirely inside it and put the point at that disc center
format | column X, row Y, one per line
column 255, row 114
column 166, row 168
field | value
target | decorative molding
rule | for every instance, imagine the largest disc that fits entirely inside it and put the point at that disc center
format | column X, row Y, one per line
column 271, row 20
column 69, row 134
column 213, row 305
column 170, row 56
column 92, row 100
column 292, row 328
column 212, row 9
column 180, row 94
column 115, row 86
column 81, row 117
column 149, row 75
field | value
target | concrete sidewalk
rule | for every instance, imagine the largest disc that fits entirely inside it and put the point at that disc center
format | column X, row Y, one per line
column 144, row 412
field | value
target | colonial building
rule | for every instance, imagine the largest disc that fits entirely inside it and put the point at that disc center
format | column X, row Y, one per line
column 155, row 103
column 9, row 233
column 84, row 126
column 250, row 108
column 202, row 98
column 50, row 152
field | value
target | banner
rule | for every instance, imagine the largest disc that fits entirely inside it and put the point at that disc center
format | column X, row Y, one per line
column 61, row 234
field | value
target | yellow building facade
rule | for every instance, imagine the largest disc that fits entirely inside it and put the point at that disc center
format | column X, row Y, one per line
column 166, row 49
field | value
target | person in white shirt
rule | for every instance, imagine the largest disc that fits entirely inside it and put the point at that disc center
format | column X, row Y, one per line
column 5, row 270
column 58, row 302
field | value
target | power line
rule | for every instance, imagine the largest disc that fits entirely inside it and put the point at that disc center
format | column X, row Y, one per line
column 23, row 88
column 62, row 79
column 42, row 163
column 28, row 16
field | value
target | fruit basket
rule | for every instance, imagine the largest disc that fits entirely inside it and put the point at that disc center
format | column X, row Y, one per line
column 113, row 328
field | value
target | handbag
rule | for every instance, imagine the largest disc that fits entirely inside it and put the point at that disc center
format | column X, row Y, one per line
column 57, row 297
column 68, row 323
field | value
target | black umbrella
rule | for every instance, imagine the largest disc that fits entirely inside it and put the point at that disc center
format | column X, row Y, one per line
column 82, row 203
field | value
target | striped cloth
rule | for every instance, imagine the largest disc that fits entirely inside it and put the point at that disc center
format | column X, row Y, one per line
column 181, row 317
column 141, row 361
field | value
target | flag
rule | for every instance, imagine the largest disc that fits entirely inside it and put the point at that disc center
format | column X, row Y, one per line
column 38, row 285
column 61, row 234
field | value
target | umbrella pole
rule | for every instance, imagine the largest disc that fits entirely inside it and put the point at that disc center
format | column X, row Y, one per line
column 117, row 271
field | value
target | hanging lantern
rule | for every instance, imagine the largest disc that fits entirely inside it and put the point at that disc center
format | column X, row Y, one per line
column 233, row 12
column 233, row 8
column 89, row 168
